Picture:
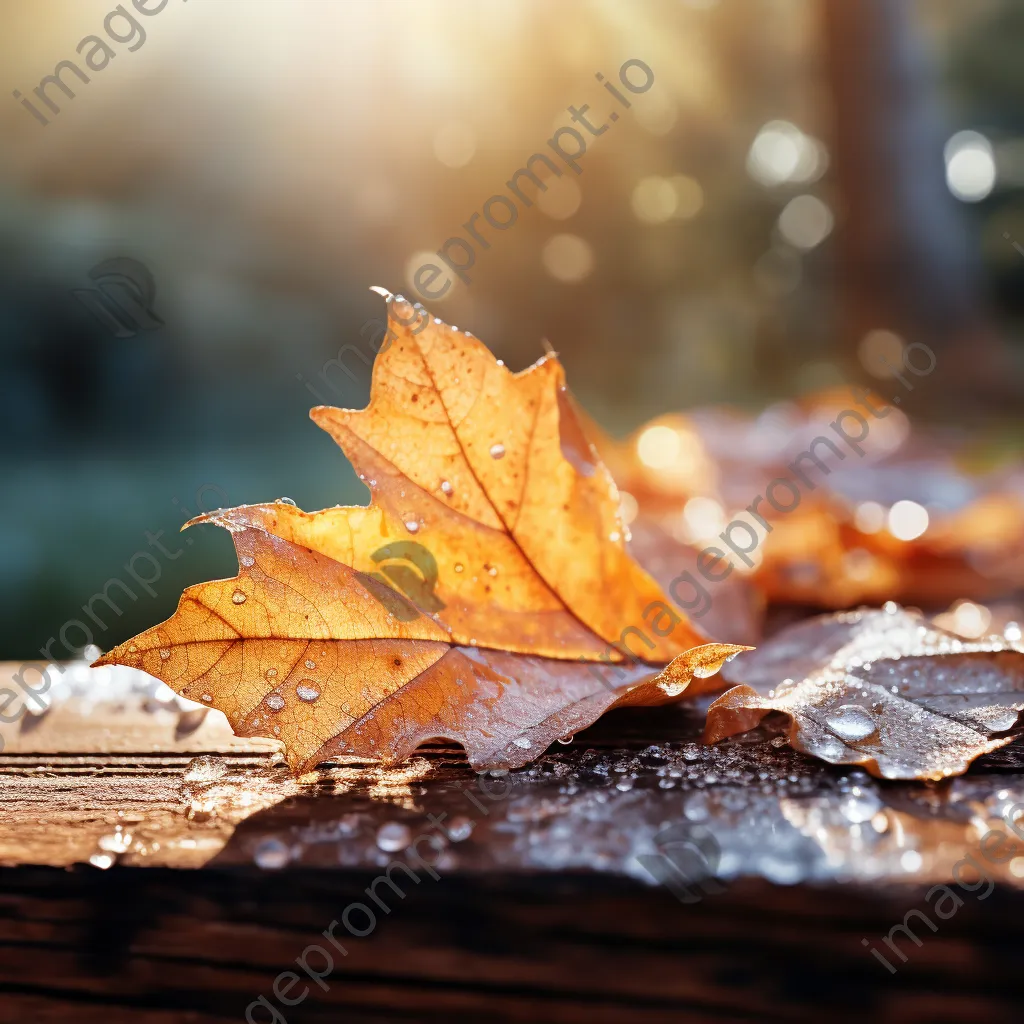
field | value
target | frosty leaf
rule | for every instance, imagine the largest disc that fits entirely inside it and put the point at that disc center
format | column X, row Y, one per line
column 882, row 689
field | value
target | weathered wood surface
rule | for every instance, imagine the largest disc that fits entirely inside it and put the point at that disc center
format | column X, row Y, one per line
column 541, row 910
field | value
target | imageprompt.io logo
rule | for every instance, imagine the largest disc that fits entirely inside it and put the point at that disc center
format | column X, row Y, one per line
column 122, row 299
column 686, row 862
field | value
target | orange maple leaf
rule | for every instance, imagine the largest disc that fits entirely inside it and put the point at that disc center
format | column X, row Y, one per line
column 472, row 600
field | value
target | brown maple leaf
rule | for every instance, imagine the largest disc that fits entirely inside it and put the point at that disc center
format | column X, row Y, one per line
column 884, row 689
column 475, row 599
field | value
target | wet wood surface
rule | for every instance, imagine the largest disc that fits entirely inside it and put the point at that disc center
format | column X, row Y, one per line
column 158, row 869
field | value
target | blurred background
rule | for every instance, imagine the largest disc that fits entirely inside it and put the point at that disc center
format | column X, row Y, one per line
column 806, row 184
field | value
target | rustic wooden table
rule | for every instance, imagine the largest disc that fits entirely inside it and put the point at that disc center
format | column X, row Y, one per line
column 158, row 869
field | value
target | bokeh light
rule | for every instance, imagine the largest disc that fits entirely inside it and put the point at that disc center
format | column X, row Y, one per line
column 907, row 520
column 568, row 258
column 805, row 222
column 970, row 166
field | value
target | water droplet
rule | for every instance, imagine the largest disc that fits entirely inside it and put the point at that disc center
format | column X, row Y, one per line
column 615, row 536
column 497, row 451
column 275, row 702
column 851, row 722
column 310, row 664
column 247, row 560
column 271, row 855
column 521, row 741
column 412, row 526
column 393, row 836
column 286, row 501
column 566, row 739
column 1012, row 632
column 101, row 861
column 164, row 654
column 460, row 828
column 696, row 808
column 307, row 691
column 271, row 673
column 459, row 567
column 860, row 805
column 492, row 570
column 238, row 597
column 206, row 697
column 624, row 785
column 446, row 487
column 346, row 707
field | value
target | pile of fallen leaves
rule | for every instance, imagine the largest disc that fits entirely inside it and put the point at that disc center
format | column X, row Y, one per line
column 491, row 595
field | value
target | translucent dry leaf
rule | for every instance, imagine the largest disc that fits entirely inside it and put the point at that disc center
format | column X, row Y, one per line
column 485, row 595
column 883, row 689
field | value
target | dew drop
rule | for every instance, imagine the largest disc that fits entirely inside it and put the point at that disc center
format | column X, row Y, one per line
column 446, row 487
column 860, row 805
column 307, row 691
column 238, row 597
column 247, row 560
column 271, row 855
column 497, row 451
column 164, row 654
column 615, row 536
column 851, row 722
column 206, row 697
column 310, row 664
column 286, row 501
column 271, row 673
column 412, row 526
column 567, row 739
column 521, row 741
column 459, row 567
column 492, row 570
column 460, row 828
column 393, row 836
column 275, row 702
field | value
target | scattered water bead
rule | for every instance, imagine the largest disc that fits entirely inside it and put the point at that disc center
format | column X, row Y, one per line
column 393, row 836
column 206, row 697
column 238, row 597
column 412, row 526
column 102, row 861
column 851, row 722
column 310, row 664
column 307, row 691
column 271, row 854
column 164, row 654
column 492, row 570
column 521, row 741
column 566, row 739
column 860, row 805
column 246, row 560
column 1012, row 632
column 271, row 673
column 286, row 501
column 446, row 487
column 275, row 702
column 624, row 785
column 460, row 828
column 497, row 451
column 459, row 567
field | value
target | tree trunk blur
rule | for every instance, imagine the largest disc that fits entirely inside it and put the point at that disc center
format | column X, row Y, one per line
column 906, row 258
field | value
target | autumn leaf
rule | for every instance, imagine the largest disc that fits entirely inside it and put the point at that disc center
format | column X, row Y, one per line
column 485, row 596
column 884, row 689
